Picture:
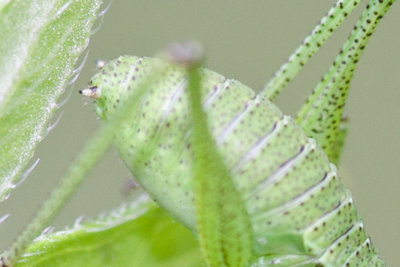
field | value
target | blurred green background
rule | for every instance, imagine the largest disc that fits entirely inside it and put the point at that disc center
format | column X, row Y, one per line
column 246, row 40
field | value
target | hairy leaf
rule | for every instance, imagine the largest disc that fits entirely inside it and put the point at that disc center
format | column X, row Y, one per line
column 138, row 234
column 40, row 43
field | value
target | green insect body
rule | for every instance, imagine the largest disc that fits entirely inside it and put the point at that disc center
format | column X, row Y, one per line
column 299, row 210
column 256, row 186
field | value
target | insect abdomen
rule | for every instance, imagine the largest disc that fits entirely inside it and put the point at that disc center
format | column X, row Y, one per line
column 296, row 203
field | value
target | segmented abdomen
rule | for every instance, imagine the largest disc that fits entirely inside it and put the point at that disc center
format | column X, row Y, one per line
column 299, row 209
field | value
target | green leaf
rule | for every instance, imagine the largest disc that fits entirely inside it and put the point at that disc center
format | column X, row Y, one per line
column 137, row 234
column 41, row 41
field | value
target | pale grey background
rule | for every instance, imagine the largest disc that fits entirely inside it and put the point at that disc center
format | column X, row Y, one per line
column 246, row 40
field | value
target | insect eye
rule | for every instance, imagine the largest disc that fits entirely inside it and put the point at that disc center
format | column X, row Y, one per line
column 100, row 64
column 90, row 92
